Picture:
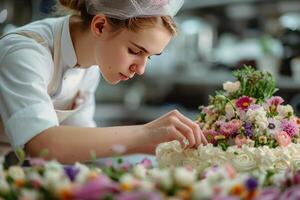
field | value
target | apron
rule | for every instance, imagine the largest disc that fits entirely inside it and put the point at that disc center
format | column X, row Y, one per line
column 52, row 89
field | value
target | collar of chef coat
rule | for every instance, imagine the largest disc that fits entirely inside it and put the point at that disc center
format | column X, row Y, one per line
column 67, row 52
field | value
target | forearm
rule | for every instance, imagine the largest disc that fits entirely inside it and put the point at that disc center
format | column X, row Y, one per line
column 70, row 144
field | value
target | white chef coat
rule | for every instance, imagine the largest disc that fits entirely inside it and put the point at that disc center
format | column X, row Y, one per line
column 26, row 70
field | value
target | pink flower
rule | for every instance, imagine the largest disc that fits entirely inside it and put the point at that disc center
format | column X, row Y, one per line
column 291, row 193
column 275, row 101
column 210, row 135
column 237, row 124
column 231, row 127
column 243, row 102
column 240, row 140
column 146, row 162
column 290, row 127
column 96, row 189
column 283, row 139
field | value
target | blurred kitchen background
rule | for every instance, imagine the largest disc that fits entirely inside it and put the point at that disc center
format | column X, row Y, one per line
column 216, row 37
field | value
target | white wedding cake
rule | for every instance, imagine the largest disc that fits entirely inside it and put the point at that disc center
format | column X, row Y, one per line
column 246, row 126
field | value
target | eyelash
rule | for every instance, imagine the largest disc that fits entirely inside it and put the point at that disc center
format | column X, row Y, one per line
column 134, row 53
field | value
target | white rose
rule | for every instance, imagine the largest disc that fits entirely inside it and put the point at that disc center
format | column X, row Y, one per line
column 231, row 87
column 281, row 164
column 16, row 173
column 169, row 154
column 184, row 177
column 139, row 171
column 295, row 161
column 244, row 161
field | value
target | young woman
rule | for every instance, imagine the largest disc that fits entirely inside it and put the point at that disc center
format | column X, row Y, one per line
column 49, row 71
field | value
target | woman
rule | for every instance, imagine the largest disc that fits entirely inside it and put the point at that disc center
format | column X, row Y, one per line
column 50, row 70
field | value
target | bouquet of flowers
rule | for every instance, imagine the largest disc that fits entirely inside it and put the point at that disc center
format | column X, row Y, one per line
column 247, row 113
column 246, row 126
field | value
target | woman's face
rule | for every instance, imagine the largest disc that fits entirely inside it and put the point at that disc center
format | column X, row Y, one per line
column 125, row 54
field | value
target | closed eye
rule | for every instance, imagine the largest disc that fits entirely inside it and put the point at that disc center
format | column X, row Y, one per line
column 137, row 53
column 133, row 52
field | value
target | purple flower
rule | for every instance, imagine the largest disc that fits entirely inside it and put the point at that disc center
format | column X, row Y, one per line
column 71, row 172
column 270, row 193
column 290, row 127
column 251, row 184
column 291, row 193
column 248, row 129
column 96, row 189
column 139, row 195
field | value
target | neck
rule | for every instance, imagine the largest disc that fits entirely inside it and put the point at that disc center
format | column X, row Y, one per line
column 82, row 42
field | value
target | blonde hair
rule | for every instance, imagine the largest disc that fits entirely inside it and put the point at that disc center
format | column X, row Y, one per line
column 77, row 8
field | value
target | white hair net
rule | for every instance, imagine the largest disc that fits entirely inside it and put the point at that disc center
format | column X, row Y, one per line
column 124, row 9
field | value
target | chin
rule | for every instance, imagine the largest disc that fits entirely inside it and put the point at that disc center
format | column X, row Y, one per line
column 112, row 82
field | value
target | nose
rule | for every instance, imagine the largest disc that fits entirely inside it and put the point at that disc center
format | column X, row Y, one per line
column 139, row 68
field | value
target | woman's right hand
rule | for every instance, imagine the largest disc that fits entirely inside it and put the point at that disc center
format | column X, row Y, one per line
column 175, row 126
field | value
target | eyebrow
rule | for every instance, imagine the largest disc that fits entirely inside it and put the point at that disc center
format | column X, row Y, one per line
column 143, row 49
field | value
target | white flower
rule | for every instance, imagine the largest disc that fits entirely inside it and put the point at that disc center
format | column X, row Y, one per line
column 229, row 110
column 285, row 110
column 184, row 177
column 16, row 173
column 147, row 185
column 278, row 179
column 202, row 190
column 281, row 164
column 258, row 116
column 3, row 185
column 295, row 161
column 54, row 166
column 231, row 87
column 83, row 172
column 162, row 177
column 169, row 154
column 243, row 161
column 139, row 171
column 28, row 194
column 127, row 178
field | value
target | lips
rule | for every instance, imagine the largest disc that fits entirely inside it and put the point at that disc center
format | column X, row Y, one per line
column 123, row 77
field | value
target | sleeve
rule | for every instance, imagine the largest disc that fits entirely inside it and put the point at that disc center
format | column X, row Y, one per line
column 25, row 106
column 85, row 116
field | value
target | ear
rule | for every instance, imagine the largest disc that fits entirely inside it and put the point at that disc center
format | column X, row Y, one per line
column 98, row 24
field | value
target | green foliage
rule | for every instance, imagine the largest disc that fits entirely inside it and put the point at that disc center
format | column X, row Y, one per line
column 257, row 84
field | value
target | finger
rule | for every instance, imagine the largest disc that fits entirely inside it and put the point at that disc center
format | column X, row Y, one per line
column 195, row 128
column 176, row 135
column 203, row 138
column 186, row 131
